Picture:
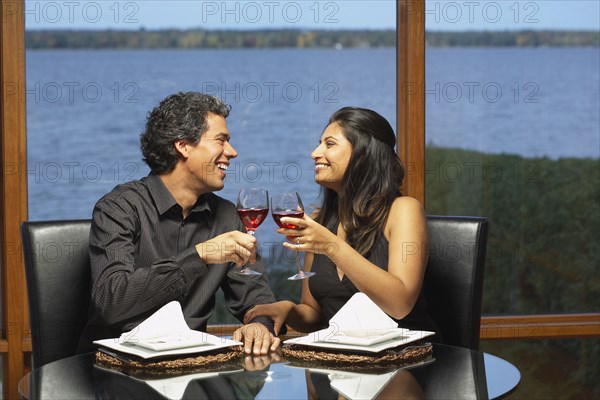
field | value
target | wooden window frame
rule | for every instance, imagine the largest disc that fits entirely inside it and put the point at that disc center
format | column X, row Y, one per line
column 15, row 346
column 15, row 341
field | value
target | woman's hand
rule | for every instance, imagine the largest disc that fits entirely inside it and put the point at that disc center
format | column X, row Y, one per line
column 278, row 312
column 310, row 236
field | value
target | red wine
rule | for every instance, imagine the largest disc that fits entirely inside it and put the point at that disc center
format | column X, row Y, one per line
column 293, row 214
column 252, row 217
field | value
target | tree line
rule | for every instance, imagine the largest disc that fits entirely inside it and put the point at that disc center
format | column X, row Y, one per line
column 294, row 38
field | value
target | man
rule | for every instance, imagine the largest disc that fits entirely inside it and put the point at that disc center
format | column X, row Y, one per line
column 168, row 237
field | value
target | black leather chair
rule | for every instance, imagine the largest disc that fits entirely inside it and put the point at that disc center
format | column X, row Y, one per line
column 57, row 271
column 453, row 284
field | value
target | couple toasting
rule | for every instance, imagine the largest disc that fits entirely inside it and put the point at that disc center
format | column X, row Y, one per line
column 168, row 237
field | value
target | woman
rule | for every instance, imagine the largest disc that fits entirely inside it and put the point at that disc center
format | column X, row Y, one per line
column 366, row 236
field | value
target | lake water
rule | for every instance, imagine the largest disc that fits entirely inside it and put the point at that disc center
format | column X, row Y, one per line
column 86, row 109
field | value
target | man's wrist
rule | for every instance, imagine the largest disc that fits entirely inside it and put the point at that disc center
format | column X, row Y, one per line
column 191, row 265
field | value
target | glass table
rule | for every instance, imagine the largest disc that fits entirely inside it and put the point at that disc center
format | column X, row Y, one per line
column 454, row 372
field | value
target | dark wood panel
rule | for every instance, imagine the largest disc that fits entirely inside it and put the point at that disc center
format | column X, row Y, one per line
column 554, row 326
column 514, row 327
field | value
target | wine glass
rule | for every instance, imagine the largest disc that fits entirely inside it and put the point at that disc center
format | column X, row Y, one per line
column 252, row 208
column 290, row 205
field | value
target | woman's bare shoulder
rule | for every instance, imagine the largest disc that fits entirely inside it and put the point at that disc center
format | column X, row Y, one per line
column 405, row 211
column 407, row 205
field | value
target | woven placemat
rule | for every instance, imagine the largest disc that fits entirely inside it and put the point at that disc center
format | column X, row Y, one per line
column 171, row 366
column 406, row 355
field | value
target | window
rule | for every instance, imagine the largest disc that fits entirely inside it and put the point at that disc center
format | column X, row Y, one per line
column 91, row 106
column 513, row 117
column 13, row 113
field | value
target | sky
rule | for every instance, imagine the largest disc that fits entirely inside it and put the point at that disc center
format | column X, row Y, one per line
column 310, row 14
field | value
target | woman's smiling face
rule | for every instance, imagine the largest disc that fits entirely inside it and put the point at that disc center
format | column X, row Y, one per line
column 332, row 156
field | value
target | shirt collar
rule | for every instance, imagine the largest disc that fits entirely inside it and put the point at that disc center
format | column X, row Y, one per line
column 164, row 200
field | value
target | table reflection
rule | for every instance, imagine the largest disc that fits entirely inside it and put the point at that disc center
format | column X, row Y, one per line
column 453, row 373
column 235, row 383
column 462, row 376
column 397, row 384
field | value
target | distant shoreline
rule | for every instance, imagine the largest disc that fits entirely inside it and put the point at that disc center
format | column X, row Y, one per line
column 296, row 38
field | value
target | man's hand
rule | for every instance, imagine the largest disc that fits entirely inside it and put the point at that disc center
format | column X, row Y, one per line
column 234, row 246
column 257, row 339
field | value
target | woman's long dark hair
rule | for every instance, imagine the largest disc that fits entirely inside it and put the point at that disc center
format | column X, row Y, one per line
column 371, row 182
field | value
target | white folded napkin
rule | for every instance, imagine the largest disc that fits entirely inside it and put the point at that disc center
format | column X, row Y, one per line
column 360, row 321
column 166, row 329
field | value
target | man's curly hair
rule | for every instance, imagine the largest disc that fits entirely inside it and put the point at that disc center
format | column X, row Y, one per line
column 180, row 116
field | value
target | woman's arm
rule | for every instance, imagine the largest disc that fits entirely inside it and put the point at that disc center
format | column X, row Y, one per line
column 303, row 317
column 306, row 316
column 395, row 291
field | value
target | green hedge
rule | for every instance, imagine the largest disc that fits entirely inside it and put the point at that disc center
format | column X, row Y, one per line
column 544, row 242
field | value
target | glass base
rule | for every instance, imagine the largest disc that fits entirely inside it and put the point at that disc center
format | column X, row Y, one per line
column 301, row 275
column 248, row 271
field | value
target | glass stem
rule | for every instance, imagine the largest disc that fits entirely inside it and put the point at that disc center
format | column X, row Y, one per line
column 298, row 261
column 250, row 263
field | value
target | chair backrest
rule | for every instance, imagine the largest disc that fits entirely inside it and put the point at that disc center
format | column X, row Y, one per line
column 57, row 271
column 453, row 284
